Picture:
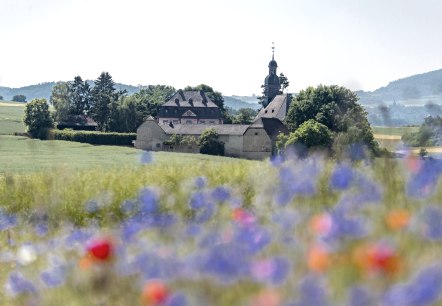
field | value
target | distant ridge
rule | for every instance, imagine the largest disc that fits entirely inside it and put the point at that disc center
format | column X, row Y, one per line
column 418, row 89
column 43, row 90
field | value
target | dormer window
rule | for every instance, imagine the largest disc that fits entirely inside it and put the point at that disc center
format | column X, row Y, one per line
column 265, row 111
column 191, row 101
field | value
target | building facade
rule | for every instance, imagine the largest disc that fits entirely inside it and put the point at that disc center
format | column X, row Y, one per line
column 189, row 107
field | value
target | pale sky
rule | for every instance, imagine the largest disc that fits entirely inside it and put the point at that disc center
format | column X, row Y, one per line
column 360, row 44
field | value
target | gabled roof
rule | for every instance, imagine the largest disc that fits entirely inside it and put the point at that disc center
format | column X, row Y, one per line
column 188, row 113
column 272, row 126
column 190, row 99
column 198, row 129
column 276, row 109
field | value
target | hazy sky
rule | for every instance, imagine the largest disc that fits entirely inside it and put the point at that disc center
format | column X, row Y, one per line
column 361, row 44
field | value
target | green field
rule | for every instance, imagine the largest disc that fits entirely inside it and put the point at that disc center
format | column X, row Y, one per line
column 394, row 131
column 11, row 115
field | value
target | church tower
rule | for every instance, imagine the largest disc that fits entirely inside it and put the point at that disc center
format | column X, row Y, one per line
column 272, row 87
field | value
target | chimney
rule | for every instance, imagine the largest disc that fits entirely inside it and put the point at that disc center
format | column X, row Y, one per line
column 180, row 91
column 203, row 95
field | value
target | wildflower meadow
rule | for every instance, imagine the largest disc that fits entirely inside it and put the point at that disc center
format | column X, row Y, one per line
column 286, row 232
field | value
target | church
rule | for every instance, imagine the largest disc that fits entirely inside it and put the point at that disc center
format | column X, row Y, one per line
column 190, row 113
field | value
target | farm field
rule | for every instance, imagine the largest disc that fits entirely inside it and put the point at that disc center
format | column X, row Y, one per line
column 11, row 115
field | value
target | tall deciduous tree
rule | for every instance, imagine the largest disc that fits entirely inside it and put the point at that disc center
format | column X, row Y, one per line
column 210, row 144
column 60, row 99
column 37, row 118
column 338, row 109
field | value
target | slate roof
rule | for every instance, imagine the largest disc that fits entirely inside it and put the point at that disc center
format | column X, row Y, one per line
column 195, row 101
column 78, row 120
column 198, row 129
column 276, row 109
column 272, row 126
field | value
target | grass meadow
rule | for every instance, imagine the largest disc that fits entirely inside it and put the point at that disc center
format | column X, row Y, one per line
column 101, row 225
column 11, row 114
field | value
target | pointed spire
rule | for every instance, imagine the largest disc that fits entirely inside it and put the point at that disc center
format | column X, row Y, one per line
column 273, row 51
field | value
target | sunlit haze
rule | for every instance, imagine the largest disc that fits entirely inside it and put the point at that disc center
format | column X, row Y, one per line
column 225, row 44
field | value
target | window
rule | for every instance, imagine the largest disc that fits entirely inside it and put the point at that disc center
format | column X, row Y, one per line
column 158, row 145
column 176, row 121
column 165, row 121
column 256, row 133
column 265, row 111
column 202, row 121
column 188, row 121
column 212, row 122
column 273, row 110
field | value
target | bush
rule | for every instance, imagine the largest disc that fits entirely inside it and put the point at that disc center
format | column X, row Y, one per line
column 209, row 143
column 311, row 134
column 19, row 98
column 95, row 138
column 37, row 118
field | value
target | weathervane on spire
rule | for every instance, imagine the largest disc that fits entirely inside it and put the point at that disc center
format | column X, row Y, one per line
column 273, row 50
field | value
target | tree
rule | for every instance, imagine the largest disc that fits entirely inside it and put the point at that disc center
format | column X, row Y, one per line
column 19, row 98
column 80, row 96
column 338, row 109
column 244, row 116
column 60, row 99
column 103, row 94
column 1, row 98
column 37, row 118
column 210, row 144
column 311, row 134
column 284, row 81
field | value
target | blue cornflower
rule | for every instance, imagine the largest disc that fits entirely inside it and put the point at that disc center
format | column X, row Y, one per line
column 200, row 182
column 273, row 270
column 146, row 157
column 291, row 185
column 220, row 194
column 197, row 200
column 432, row 217
column 345, row 226
column 359, row 296
column 252, row 239
column 18, row 284
column 312, row 292
column 423, row 182
column 177, row 299
column 148, row 201
column 53, row 277
column 204, row 214
column 7, row 221
column 424, row 289
column 342, row 177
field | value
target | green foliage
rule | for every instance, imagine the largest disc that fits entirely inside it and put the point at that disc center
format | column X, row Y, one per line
column 1, row 98
column 96, row 138
column 80, row 96
column 174, row 140
column 37, row 118
column 60, row 99
column 103, row 94
column 427, row 135
column 338, row 109
column 284, row 81
column 19, row 98
column 244, row 116
column 210, row 144
column 311, row 134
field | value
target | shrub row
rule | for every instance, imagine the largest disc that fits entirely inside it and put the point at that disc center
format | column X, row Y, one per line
column 92, row 137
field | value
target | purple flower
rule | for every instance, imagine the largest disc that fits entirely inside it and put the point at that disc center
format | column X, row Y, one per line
column 53, row 277
column 145, row 157
column 227, row 262
column 200, row 182
column 7, row 221
column 345, row 226
column 342, row 177
column 432, row 217
column 252, row 239
column 197, row 200
column 291, row 186
column 220, row 194
column 273, row 271
column 312, row 292
column 203, row 215
column 177, row 299
column 41, row 229
column 18, row 284
column 148, row 201
column 359, row 296
column 422, row 184
column 424, row 289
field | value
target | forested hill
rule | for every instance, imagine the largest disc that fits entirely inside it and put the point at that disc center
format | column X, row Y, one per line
column 43, row 90
column 418, row 89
